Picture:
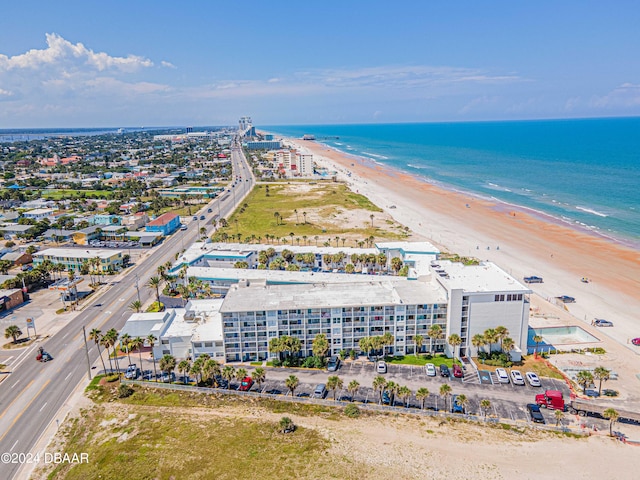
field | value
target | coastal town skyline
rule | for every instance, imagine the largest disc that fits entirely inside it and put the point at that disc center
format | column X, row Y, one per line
column 143, row 64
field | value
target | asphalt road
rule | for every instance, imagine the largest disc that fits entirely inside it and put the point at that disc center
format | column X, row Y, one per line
column 34, row 392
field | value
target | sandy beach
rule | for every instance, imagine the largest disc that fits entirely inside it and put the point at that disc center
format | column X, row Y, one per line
column 513, row 238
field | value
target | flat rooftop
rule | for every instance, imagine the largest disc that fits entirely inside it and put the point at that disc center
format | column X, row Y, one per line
column 330, row 295
column 78, row 253
column 486, row 277
column 203, row 323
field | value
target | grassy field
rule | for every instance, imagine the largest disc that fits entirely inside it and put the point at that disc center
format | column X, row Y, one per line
column 420, row 360
column 64, row 194
column 141, row 438
column 325, row 210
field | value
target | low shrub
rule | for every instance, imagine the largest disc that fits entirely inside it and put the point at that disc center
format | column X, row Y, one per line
column 352, row 411
column 124, row 391
column 112, row 378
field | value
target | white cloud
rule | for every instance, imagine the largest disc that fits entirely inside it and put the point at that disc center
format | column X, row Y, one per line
column 624, row 96
column 7, row 93
column 62, row 52
column 167, row 64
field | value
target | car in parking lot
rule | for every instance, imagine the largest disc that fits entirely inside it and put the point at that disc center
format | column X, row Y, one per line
column 455, row 405
column 601, row 322
column 533, row 279
column 535, row 413
column 166, row 378
column 457, row 371
column 245, row 384
column 533, row 379
column 148, row 375
column 386, row 398
column 444, row 371
column 636, row 341
column 430, row 369
column 320, row 391
column 131, row 372
column 503, row 376
column 516, row 377
column 381, row 366
column 333, row 364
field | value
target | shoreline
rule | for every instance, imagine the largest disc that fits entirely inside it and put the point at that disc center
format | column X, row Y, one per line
column 518, row 240
column 626, row 242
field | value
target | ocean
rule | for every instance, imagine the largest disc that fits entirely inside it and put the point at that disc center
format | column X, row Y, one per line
column 582, row 172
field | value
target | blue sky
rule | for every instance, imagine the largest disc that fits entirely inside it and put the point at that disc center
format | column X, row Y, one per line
column 124, row 63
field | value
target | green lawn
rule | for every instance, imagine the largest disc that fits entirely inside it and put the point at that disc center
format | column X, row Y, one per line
column 321, row 202
column 64, row 194
column 420, row 360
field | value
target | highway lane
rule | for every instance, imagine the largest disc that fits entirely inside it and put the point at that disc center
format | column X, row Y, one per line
column 31, row 397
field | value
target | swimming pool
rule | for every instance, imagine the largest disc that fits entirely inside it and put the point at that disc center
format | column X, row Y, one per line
column 559, row 337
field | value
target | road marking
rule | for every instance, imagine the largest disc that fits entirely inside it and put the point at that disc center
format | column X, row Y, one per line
column 42, row 408
column 15, row 400
column 24, row 409
column 8, row 359
column 14, row 446
column 68, row 375
column 15, row 384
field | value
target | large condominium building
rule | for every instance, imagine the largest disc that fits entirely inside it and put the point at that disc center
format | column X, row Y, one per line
column 252, row 315
column 73, row 258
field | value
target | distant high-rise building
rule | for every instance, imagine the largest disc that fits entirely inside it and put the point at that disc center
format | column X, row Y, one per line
column 245, row 123
column 189, row 129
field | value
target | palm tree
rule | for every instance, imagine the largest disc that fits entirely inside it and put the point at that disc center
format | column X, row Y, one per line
column 228, row 373
column 196, row 370
column 418, row 340
column 584, row 379
column 183, row 367
column 95, row 335
column 491, row 337
column 168, row 364
column 320, row 345
column 611, row 415
column 304, row 214
column 445, row 392
column 537, row 339
column 135, row 306
column 125, row 342
column 435, row 333
column 334, row 383
column 154, row 283
column 392, row 390
column 454, row 340
column 292, row 383
column 371, row 217
column 151, row 339
column 137, row 344
column 462, row 401
column 478, row 341
column 404, row 393
column 600, row 374
column 105, row 340
column 277, row 217
column 507, row 345
column 559, row 414
column 241, row 373
column 353, row 388
column 422, row 394
column 485, row 405
column 502, row 333
column 259, row 375
column 379, row 384
column 296, row 212
column 13, row 331
column 210, row 367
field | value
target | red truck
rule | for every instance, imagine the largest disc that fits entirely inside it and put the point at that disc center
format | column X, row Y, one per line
column 553, row 399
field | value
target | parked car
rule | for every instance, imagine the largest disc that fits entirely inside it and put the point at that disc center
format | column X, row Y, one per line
column 533, row 279
column 535, row 413
column 381, row 366
column 166, row 378
column 455, row 405
column 148, row 375
column 430, row 369
column 444, row 371
column 502, row 375
column 600, row 322
column 320, row 391
column 636, row 341
column 566, row 299
column 245, row 384
column 386, row 398
column 457, row 371
column 131, row 372
column 533, row 379
column 333, row 364
column 516, row 377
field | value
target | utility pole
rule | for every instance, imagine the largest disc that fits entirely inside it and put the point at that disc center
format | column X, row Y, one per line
column 137, row 289
column 86, row 349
